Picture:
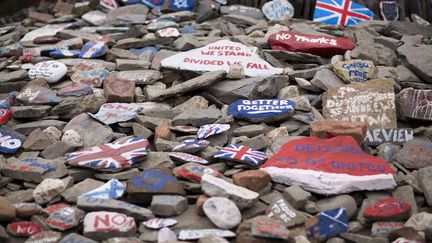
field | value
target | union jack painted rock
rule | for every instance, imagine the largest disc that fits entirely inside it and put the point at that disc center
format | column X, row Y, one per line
column 115, row 156
column 185, row 158
column 341, row 12
column 194, row 171
column 191, row 146
column 185, row 129
column 243, row 154
column 113, row 189
column 206, row 131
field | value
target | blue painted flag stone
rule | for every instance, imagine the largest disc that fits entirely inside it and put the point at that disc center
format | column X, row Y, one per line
column 327, row 224
column 266, row 110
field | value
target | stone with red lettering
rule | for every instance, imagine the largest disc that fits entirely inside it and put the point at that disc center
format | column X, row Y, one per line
column 151, row 182
column 281, row 210
column 186, row 158
column 372, row 102
column 103, row 225
column 34, row 169
column 332, row 128
column 390, row 209
column 222, row 212
column 119, row 90
column 23, row 228
column 314, row 44
column 254, row 180
column 266, row 227
column 45, row 237
column 65, row 218
column 47, row 190
column 194, row 172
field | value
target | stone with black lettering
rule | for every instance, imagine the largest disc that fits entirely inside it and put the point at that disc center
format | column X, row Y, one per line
column 268, row 110
column 354, row 71
column 372, row 102
column 397, row 136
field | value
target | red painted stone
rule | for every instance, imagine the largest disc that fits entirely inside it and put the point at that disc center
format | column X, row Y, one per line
column 194, row 171
column 388, row 209
column 314, row 44
column 5, row 116
column 23, row 228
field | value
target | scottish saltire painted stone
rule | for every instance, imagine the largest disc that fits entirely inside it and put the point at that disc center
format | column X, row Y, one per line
column 93, row 49
column 243, row 154
column 113, row 189
column 115, row 156
column 327, row 224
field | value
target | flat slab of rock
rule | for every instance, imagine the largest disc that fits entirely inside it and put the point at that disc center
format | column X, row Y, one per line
column 71, row 194
column 415, row 104
column 418, row 59
column 415, row 154
column 34, row 169
column 372, row 102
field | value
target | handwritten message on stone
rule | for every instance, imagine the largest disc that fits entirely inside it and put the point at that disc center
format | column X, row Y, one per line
column 261, row 110
column 355, row 71
column 397, row 136
column 219, row 56
column 416, row 104
column 372, row 102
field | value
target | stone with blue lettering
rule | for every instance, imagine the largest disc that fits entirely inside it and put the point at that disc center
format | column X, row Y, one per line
column 34, row 169
column 179, row 5
column 327, row 224
column 93, row 49
column 266, row 110
column 65, row 53
column 354, row 71
column 9, row 142
column 141, row 188
column 278, row 10
column 113, row 189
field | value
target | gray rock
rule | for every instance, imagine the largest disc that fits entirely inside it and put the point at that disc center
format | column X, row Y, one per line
column 140, row 77
column 307, row 73
column 357, row 238
column 30, row 111
column 222, row 212
column 13, row 76
column 295, row 57
column 20, row 196
column 199, row 82
column 127, row 64
column 57, row 150
column 421, row 222
column 326, row 79
column 168, row 205
column 71, row 194
column 377, row 53
column 425, row 181
column 197, row 117
column 186, row 43
column 418, row 60
column 296, row 196
column 27, row 128
column 250, row 130
column 345, row 201
column 414, row 154
column 98, row 204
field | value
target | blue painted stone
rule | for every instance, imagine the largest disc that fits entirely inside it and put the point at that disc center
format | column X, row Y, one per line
column 113, row 189
column 130, row 2
column 153, row 3
column 9, row 143
column 9, row 100
column 262, row 110
column 93, row 49
column 140, row 51
column 327, row 224
column 64, row 53
column 188, row 30
column 181, row 5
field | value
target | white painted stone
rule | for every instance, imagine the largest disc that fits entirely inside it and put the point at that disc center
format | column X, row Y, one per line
column 47, row 190
column 168, row 32
column 158, row 223
column 278, row 10
column 219, row 56
column 113, row 189
column 51, row 71
column 217, row 187
column 108, row 223
column 222, row 212
column 199, row 233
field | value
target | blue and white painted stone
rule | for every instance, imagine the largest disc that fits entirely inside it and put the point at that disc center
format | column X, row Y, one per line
column 113, row 189
column 191, row 146
column 93, row 49
column 64, row 53
column 265, row 110
column 158, row 223
column 278, row 9
column 181, row 5
column 154, row 3
column 9, row 143
column 328, row 224
column 185, row 158
column 206, row 131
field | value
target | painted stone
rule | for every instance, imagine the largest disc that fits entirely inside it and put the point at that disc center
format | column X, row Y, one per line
column 191, row 146
column 185, row 129
column 415, row 154
column 153, row 3
column 37, row 95
column 110, row 113
column 379, row 136
column 93, row 77
column 158, row 223
column 200, row 233
column 354, row 71
column 119, row 90
column 313, row 44
column 115, row 156
column 242, row 154
column 327, row 224
column 385, row 228
column 65, row 218
column 5, row 116
column 372, row 102
column 75, row 89
column 86, row 65
column 34, row 169
column 152, row 182
column 389, row 10
column 93, row 49
column 329, row 166
column 140, row 51
column 194, row 172
column 140, row 77
column 9, row 100
column 278, row 10
column 49, row 29
column 103, row 225
column 179, row 5
column 389, row 209
column 113, row 189
column 341, row 12
column 23, row 228
column 76, row 238
column 45, row 237
column 265, row 227
column 262, row 110
column 185, row 158
column 415, row 104
column 55, row 207
column 219, row 56
column 206, row 131
column 168, row 32
column 51, row 71
column 282, row 211
column 108, row 4
column 65, row 54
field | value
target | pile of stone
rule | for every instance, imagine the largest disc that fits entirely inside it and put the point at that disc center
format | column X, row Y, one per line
column 213, row 123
